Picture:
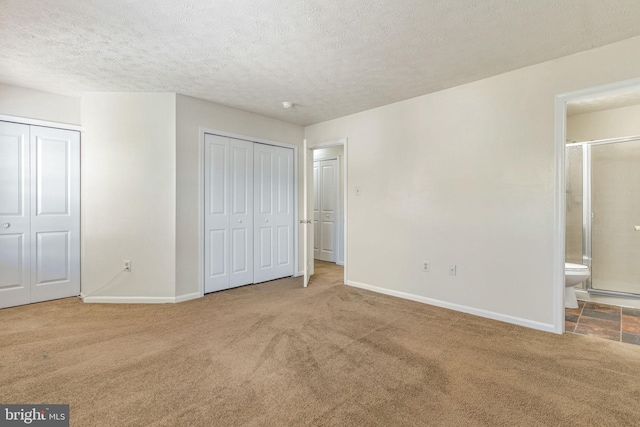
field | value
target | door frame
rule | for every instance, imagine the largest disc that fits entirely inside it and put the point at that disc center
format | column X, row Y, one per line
column 344, row 142
column 559, row 209
column 201, row 184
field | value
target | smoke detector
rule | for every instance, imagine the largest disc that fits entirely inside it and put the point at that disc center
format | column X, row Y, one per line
column 287, row 104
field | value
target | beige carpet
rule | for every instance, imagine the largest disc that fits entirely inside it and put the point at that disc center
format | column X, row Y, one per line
column 276, row 354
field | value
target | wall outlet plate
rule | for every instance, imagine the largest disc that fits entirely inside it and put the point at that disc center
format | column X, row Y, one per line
column 452, row 270
column 426, row 266
column 127, row 265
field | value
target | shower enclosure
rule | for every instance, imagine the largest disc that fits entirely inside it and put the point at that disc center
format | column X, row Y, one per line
column 603, row 213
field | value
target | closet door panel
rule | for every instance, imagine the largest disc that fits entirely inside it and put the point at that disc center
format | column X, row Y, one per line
column 284, row 213
column 55, row 219
column 14, row 215
column 264, row 196
column 241, row 218
column 274, row 214
column 217, row 215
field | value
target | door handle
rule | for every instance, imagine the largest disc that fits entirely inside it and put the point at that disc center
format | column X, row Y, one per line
column 266, row 220
column 6, row 225
column 240, row 221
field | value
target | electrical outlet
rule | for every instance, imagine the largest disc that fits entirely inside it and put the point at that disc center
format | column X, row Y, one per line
column 357, row 190
column 426, row 266
column 127, row 265
column 452, row 270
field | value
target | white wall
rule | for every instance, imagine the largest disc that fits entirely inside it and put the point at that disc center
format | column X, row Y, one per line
column 613, row 123
column 192, row 114
column 336, row 152
column 33, row 104
column 129, row 194
column 466, row 176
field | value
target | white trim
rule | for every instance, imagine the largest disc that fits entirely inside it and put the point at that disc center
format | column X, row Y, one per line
column 137, row 300
column 44, row 123
column 547, row 327
column 339, row 263
column 604, row 141
column 345, row 168
column 127, row 300
column 559, row 214
column 187, row 297
column 202, row 131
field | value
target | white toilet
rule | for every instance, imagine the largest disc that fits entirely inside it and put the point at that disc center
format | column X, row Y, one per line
column 573, row 274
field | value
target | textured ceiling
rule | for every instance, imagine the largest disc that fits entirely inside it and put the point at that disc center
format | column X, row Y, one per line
column 330, row 57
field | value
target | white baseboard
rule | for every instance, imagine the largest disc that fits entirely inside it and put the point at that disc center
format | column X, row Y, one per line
column 138, row 300
column 547, row 327
column 340, row 263
column 187, row 297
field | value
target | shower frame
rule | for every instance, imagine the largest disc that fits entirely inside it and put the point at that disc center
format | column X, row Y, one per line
column 587, row 214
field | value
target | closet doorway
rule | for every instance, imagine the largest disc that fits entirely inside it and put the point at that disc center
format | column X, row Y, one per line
column 248, row 211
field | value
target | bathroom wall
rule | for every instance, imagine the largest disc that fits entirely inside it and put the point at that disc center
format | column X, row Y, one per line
column 615, row 203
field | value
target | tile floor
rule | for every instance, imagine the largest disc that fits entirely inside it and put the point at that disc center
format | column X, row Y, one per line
column 604, row 321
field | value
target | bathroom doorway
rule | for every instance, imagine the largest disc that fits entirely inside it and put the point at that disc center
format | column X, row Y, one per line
column 595, row 132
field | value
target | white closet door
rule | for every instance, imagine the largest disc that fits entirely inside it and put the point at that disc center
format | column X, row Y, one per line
column 328, row 173
column 216, row 221
column 273, row 218
column 241, row 218
column 228, row 212
column 55, row 213
column 316, row 209
column 15, row 215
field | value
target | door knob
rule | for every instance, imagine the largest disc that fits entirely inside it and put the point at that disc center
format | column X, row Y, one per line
column 6, row 225
column 266, row 220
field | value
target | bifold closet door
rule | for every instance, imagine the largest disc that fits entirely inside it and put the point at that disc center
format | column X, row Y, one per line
column 39, row 214
column 228, row 212
column 55, row 213
column 273, row 217
column 15, row 215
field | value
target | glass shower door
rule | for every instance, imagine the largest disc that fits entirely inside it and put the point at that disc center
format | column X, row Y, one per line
column 574, row 189
column 615, row 207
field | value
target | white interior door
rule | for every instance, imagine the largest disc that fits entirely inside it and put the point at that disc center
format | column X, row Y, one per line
column 55, row 213
column 15, row 216
column 327, row 202
column 273, row 212
column 307, row 181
